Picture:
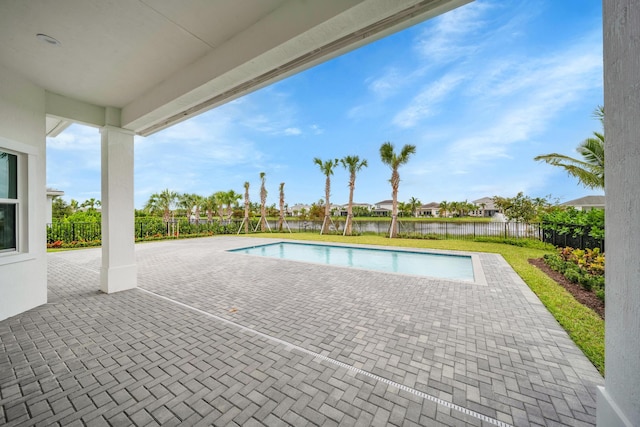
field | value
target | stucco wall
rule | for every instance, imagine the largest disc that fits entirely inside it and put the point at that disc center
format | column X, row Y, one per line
column 23, row 277
column 619, row 402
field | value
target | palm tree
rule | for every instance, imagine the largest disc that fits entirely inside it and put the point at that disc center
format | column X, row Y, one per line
column 231, row 198
column 589, row 170
column 414, row 204
column 221, row 199
column 444, row 208
column 163, row 201
column 454, row 207
column 198, row 203
column 90, row 204
column 394, row 161
column 281, row 219
column 263, row 202
column 247, row 205
column 353, row 164
column 327, row 169
column 210, row 205
column 404, row 209
column 186, row 201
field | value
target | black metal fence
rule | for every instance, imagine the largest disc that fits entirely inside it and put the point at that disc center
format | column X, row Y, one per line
column 92, row 231
column 430, row 229
column 572, row 235
column 559, row 235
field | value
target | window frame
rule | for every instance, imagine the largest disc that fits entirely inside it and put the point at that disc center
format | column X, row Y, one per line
column 15, row 202
column 25, row 201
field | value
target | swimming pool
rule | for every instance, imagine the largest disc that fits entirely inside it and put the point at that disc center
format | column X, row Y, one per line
column 457, row 267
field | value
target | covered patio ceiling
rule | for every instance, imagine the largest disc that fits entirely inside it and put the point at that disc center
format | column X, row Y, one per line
column 158, row 62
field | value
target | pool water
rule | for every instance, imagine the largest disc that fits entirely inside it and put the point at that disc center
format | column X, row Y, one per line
column 458, row 267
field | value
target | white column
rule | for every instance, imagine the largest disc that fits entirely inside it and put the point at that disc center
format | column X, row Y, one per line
column 118, row 250
column 619, row 399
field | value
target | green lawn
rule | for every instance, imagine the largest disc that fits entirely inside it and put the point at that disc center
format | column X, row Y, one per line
column 584, row 326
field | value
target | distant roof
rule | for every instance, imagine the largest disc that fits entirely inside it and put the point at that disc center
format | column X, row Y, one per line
column 384, row 202
column 52, row 192
column 586, row 201
column 483, row 200
column 346, row 205
column 431, row 205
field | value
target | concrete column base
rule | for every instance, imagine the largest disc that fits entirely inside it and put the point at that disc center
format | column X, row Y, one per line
column 116, row 279
column 609, row 414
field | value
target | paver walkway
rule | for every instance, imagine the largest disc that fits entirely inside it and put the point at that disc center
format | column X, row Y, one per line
column 217, row 338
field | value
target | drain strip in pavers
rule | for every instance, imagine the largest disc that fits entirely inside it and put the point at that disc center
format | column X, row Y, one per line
column 288, row 345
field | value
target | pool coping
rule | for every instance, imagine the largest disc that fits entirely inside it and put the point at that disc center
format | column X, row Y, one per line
column 479, row 277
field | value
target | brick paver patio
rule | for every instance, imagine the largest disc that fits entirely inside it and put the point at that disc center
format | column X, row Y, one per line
column 217, row 338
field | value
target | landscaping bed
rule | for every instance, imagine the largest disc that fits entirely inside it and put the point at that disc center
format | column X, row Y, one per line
column 585, row 297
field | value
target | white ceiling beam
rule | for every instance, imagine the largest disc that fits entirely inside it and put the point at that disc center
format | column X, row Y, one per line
column 68, row 109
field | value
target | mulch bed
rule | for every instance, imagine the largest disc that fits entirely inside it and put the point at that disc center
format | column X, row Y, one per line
column 583, row 296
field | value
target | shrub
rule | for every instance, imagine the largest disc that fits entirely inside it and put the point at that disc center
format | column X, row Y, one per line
column 585, row 267
column 572, row 275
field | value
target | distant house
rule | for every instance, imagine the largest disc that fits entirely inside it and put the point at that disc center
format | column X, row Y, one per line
column 586, row 203
column 430, row 209
column 344, row 208
column 383, row 208
column 297, row 209
column 486, row 207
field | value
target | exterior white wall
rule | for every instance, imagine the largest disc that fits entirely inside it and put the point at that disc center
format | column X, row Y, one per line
column 23, row 277
column 619, row 400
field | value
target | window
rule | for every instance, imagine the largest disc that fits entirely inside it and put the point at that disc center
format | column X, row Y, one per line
column 9, row 202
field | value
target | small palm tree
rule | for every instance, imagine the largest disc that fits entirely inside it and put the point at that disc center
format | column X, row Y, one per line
column 90, row 204
column 221, row 200
column 281, row 219
column 232, row 198
column 454, row 207
column 186, row 201
column 414, row 203
column 589, row 170
column 163, row 201
column 210, row 205
column 327, row 169
column 444, row 208
column 198, row 203
column 247, row 206
column 353, row 164
column 394, row 161
column 263, row 203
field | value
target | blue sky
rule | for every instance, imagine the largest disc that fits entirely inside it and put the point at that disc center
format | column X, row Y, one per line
column 480, row 91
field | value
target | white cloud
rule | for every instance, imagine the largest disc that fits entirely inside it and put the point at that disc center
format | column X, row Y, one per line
column 450, row 35
column 292, row 131
column 317, row 130
column 423, row 104
column 390, row 82
column 525, row 104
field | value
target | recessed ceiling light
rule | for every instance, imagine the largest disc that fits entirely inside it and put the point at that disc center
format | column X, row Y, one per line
column 47, row 39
